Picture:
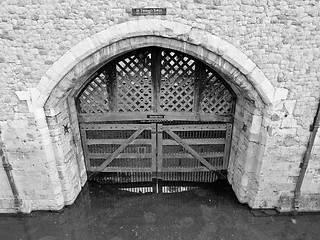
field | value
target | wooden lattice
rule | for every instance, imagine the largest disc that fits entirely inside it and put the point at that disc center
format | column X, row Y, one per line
column 215, row 98
column 156, row 80
column 134, row 89
column 177, row 82
column 94, row 98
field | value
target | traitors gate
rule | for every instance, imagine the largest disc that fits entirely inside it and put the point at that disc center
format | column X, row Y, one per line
column 156, row 114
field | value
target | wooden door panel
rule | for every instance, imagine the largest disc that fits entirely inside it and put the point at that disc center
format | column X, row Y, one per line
column 119, row 148
column 190, row 150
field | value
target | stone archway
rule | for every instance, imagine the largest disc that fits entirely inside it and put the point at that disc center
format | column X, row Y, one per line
column 54, row 107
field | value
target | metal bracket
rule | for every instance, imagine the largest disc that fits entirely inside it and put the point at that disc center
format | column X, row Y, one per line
column 66, row 128
column 7, row 166
column 17, row 202
column 313, row 127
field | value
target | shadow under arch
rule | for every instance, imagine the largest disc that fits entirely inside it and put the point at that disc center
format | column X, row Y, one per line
column 55, row 107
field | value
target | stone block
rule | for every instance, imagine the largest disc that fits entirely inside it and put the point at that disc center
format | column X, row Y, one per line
column 256, row 76
column 266, row 91
column 289, row 122
column 239, row 60
column 290, row 106
column 280, row 94
column 103, row 37
column 58, row 70
column 78, row 53
column 200, row 37
column 46, row 84
column 256, row 124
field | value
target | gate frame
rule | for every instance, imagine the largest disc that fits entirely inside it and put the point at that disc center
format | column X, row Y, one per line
column 156, row 142
column 54, row 108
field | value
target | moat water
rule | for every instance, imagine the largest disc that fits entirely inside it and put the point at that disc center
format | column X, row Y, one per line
column 207, row 211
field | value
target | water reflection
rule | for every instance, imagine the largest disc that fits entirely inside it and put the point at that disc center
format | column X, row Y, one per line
column 208, row 211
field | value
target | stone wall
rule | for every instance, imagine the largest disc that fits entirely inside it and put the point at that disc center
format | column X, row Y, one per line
column 281, row 37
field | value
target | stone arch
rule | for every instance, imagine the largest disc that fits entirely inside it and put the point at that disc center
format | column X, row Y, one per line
column 171, row 31
column 55, row 111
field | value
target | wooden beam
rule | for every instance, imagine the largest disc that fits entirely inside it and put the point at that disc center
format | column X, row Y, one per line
column 195, row 169
column 227, row 146
column 116, row 141
column 85, row 146
column 117, row 152
column 114, row 126
column 160, row 149
column 190, row 150
column 121, row 155
column 196, row 141
column 154, row 148
column 188, row 155
column 193, row 127
column 119, row 169
column 145, row 116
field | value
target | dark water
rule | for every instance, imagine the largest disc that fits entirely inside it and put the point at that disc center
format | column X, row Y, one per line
column 206, row 212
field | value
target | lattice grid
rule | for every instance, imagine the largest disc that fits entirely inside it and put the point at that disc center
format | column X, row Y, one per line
column 177, row 82
column 94, row 98
column 134, row 87
column 128, row 85
column 216, row 98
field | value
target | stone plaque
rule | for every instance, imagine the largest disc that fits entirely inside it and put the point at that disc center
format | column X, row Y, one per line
column 148, row 11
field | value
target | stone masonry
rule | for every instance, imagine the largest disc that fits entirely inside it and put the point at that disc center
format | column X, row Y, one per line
column 269, row 52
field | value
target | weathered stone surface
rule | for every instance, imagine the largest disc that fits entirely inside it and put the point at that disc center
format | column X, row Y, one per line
column 275, row 49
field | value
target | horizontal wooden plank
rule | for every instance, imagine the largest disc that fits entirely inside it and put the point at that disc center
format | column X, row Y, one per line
column 147, row 116
column 149, row 155
column 166, row 142
column 193, row 127
column 121, row 155
column 197, row 169
column 122, row 169
column 188, row 155
column 119, row 169
column 196, row 141
column 117, row 141
column 97, row 126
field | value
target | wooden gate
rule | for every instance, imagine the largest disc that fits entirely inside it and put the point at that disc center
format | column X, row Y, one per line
column 142, row 152
column 155, row 113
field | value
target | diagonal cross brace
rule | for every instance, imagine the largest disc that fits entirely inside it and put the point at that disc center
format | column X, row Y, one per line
column 117, row 152
column 190, row 150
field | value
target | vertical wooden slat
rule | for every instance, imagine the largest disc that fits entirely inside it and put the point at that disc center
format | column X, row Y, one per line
column 227, row 146
column 85, row 147
column 199, row 84
column 154, row 149
column 159, row 150
column 112, row 87
column 156, row 77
